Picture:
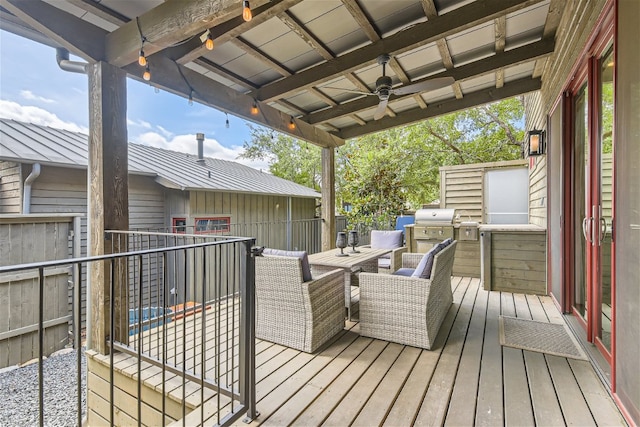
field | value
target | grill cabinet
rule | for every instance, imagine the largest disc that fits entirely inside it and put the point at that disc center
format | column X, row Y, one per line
column 431, row 227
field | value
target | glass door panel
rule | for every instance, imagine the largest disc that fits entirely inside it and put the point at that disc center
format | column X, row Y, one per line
column 606, row 72
column 580, row 210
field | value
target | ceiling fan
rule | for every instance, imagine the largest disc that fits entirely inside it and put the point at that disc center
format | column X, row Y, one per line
column 384, row 87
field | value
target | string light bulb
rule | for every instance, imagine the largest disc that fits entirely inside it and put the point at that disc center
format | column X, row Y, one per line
column 190, row 98
column 226, row 123
column 292, row 124
column 246, row 11
column 209, row 42
column 142, row 60
column 254, row 109
column 147, row 73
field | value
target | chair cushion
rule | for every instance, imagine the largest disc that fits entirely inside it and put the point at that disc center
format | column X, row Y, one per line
column 407, row 272
column 306, row 269
column 386, row 239
column 424, row 267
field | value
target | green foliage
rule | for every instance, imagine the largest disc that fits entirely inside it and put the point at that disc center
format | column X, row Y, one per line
column 289, row 158
column 382, row 174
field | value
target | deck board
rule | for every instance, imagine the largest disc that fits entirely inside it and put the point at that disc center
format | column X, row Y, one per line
column 468, row 378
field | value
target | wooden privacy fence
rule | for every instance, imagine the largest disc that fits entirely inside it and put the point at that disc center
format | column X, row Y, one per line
column 28, row 239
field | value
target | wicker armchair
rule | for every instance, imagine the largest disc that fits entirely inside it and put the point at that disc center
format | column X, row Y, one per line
column 294, row 313
column 388, row 239
column 407, row 310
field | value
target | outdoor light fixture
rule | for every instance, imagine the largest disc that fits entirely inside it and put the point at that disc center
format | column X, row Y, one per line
column 535, row 138
column 246, row 11
column 147, row 73
column 254, row 109
column 209, row 42
column 292, row 124
column 226, row 122
column 142, row 60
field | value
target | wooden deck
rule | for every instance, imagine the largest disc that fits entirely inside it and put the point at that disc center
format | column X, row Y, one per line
column 468, row 379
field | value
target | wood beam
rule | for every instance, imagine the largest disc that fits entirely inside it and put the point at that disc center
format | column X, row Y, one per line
column 169, row 23
column 79, row 37
column 361, row 18
column 108, row 207
column 554, row 16
column 328, row 198
column 167, row 74
column 229, row 30
column 222, row 72
column 419, row 35
column 470, row 100
column 431, row 12
column 500, row 29
column 471, row 70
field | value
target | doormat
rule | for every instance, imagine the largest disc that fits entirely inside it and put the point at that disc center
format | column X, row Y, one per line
column 542, row 337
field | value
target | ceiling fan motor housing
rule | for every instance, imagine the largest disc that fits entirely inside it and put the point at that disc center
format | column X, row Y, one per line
column 383, row 87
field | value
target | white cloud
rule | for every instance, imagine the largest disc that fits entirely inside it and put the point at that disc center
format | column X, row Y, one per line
column 27, row 94
column 36, row 115
column 189, row 144
column 139, row 123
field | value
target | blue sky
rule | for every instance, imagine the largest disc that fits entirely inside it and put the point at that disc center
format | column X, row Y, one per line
column 34, row 89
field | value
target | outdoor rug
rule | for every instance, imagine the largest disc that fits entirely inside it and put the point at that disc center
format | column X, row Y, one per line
column 543, row 337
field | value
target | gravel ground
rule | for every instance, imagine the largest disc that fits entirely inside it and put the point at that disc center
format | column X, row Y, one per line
column 19, row 392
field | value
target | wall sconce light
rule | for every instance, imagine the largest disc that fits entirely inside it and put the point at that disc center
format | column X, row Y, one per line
column 535, row 138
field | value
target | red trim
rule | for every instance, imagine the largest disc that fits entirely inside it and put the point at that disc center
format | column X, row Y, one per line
column 625, row 412
column 613, row 211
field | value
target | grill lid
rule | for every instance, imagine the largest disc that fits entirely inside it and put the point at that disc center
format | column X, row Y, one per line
column 435, row 216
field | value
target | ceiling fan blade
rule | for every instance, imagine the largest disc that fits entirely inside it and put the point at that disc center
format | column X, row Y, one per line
column 381, row 110
column 347, row 90
column 431, row 84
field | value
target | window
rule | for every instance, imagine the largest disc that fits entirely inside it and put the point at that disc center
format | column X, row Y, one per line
column 179, row 225
column 212, row 225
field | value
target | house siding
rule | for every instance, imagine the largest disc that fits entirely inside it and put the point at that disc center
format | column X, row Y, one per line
column 10, row 188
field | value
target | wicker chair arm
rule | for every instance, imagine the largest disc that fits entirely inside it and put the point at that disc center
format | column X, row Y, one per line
column 396, row 258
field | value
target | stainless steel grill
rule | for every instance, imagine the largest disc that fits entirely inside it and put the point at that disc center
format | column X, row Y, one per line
column 432, row 226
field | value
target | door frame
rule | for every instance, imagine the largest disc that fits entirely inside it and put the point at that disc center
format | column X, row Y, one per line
column 586, row 70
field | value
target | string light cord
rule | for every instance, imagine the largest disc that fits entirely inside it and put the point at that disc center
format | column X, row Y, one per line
column 191, row 91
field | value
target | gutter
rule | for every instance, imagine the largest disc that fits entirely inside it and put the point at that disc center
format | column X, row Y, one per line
column 26, row 197
column 62, row 57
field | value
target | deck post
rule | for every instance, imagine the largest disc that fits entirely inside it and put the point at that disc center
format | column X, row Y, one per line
column 328, row 198
column 108, row 205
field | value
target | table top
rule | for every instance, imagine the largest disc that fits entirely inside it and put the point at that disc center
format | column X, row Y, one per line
column 329, row 258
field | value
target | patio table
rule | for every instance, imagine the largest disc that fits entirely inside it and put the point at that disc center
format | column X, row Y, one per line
column 366, row 259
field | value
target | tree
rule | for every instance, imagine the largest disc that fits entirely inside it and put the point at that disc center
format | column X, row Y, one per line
column 288, row 157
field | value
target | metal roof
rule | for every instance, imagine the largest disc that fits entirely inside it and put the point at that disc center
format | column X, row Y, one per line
column 311, row 61
column 30, row 143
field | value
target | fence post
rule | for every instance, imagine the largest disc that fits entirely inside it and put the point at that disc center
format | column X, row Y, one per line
column 248, row 333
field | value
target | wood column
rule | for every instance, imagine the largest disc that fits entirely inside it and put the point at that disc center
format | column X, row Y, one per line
column 108, row 205
column 328, row 198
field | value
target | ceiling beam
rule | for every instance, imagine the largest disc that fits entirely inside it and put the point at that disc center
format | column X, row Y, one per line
column 230, row 29
column 470, row 100
column 431, row 12
column 79, row 37
column 178, row 79
column 419, row 35
column 554, row 16
column 474, row 69
column 169, row 23
column 500, row 30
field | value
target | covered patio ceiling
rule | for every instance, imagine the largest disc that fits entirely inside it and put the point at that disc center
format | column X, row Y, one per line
column 309, row 61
